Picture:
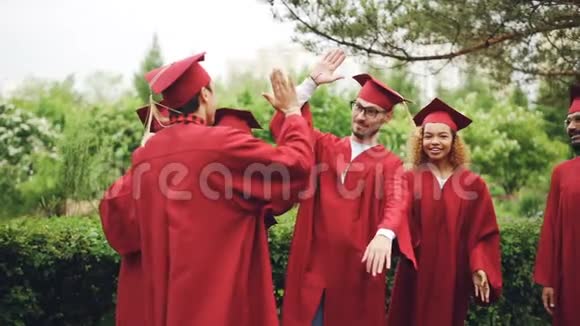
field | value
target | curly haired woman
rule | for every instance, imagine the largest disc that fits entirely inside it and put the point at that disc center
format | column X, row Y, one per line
column 453, row 228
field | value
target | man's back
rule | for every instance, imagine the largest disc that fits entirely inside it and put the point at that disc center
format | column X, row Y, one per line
column 199, row 191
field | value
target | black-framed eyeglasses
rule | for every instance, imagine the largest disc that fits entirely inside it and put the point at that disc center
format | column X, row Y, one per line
column 367, row 111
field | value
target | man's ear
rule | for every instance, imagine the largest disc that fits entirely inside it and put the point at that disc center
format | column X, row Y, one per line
column 204, row 95
column 388, row 116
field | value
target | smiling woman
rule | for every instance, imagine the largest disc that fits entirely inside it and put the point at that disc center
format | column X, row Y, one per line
column 458, row 152
column 453, row 228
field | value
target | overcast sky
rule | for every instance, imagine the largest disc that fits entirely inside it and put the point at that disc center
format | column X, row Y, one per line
column 55, row 38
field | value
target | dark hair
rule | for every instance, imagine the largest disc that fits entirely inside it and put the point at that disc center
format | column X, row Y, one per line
column 191, row 106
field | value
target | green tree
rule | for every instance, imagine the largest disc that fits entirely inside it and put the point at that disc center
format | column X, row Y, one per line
column 119, row 131
column 532, row 37
column 508, row 143
column 508, row 139
column 243, row 91
column 54, row 100
column 90, row 145
column 22, row 135
column 152, row 60
column 24, row 139
column 518, row 97
column 554, row 101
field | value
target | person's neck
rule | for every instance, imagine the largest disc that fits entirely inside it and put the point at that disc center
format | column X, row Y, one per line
column 441, row 168
column 201, row 113
column 367, row 141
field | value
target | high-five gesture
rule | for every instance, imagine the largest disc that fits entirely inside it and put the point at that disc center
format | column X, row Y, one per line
column 284, row 98
column 323, row 71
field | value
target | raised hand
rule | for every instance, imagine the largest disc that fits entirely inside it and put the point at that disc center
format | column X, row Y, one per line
column 284, row 98
column 323, row 71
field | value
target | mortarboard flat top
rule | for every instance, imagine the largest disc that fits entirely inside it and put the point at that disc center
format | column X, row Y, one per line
column 180, row 81
column 376, row 92
column 439, row 112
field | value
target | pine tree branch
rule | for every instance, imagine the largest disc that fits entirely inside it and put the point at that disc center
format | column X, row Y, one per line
column 482, row 45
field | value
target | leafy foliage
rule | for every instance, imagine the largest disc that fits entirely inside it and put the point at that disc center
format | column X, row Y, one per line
column 57, row 271
column 507, row 139
column 531, row 37
column 520, row 303
column 61, row 271
column 152, row 60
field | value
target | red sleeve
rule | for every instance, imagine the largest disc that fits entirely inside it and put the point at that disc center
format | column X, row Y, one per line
column 118, row 216
column 543, row 271
column 395, row 195
column 267, row 173
column 484, row 240
column 278, row 120
column 279, row 206
column 397, row 207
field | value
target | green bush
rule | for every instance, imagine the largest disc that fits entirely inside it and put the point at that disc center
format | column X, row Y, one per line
column 55, row 271
column 279, row 242
column 532, row 203
column 520, row 303
column 60, row 271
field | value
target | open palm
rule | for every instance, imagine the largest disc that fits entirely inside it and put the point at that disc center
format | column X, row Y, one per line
column 323, row 71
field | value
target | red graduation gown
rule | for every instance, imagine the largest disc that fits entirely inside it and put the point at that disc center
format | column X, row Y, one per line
column 558, row 257
column 455, row 233
column 334, row 225
column 204, row 251
column 121, row 229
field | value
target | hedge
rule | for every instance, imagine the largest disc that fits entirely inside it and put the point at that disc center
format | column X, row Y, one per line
column 60, row 271
column 55, row 271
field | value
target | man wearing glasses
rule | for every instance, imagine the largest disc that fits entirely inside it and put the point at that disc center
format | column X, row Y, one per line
column 558, row 257
column 350, row 214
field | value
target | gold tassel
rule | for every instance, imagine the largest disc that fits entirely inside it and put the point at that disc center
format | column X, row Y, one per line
column 153, row 112
column 162, row 120
column 147, row 132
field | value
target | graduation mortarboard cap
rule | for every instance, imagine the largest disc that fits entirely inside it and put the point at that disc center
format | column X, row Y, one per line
column 376, row 92
column 235, row 118
column 156, row 122
column 439, row 112
column 574, row 99
column 180, row 81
